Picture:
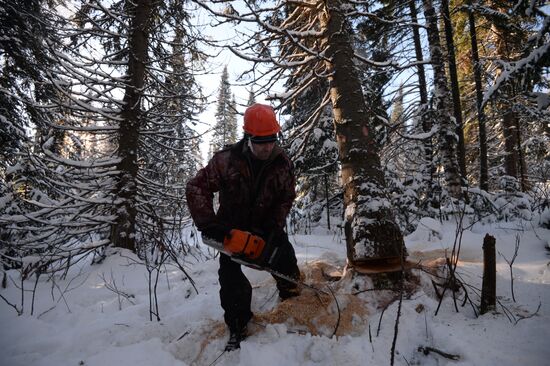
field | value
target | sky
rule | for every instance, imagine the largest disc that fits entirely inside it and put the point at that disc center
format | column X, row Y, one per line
column 211, row 80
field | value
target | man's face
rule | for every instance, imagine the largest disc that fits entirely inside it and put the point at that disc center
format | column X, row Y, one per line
column 262, row 151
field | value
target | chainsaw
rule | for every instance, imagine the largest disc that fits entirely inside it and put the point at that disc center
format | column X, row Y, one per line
column 246, row 248
column 252, row 251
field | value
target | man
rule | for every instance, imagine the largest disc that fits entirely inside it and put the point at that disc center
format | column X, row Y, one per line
column 255, row 182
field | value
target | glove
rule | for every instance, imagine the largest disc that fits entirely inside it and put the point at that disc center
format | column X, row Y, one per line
column 274, row 234
column 216, row 232
column 277, row 238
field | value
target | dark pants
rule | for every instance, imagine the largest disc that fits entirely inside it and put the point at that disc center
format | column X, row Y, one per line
column 235, row 289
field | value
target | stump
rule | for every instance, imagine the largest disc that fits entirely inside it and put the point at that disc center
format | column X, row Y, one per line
column 488, row 289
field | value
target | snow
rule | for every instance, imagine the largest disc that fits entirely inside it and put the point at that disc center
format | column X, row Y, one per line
column 92, row 325
column 427, row 231
column 512, row 68
column 542, row 99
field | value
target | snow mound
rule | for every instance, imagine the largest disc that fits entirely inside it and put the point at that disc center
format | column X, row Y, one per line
column 427, row 231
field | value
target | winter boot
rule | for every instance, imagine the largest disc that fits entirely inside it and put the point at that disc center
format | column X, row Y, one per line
column 236, row 335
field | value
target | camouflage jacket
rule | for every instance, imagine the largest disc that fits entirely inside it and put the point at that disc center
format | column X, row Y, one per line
column 258, row 203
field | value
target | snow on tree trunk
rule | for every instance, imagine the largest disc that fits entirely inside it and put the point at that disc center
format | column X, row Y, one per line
column 442, row 98
column 428, row 170
column 514, row 164
column 371, row 231
column 123, row 233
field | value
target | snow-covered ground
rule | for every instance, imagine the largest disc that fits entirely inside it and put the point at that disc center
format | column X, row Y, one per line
column 80, row 321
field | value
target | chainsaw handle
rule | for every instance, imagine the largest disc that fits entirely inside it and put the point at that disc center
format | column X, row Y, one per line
column 216, row 231
column 274, row 238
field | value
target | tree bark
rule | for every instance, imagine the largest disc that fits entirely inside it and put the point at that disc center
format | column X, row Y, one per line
column 482, row 130
column 514, row 164
column 442, row 112
column 488, row 289
column 455, row 91
column 327, row 200
column 123, row 232
column 371, row 231
column 508, row 124
column 423, row 89
column 429, row 170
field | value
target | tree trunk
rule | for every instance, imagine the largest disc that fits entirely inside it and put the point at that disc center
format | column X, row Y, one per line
column 457, row 108
column 523, row 177
column 423, row 89
column 442, row 113
column 482, row 130
column 514, row 165
column 371, row 231
column 508, row 124
column 123, row 233
column 488, row 286
column 327, row 200
column 514, row 162
column 429, row 170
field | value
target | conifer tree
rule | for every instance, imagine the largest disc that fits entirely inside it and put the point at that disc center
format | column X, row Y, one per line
column 251, row 98
column 442, row 105
column 398, row 111
column 314, row 40
column 225, row 128
column 125, row 99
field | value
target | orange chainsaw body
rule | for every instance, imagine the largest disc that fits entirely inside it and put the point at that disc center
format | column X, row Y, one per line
column 243, row 243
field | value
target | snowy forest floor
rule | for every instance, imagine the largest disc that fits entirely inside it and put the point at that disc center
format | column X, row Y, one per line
column 99, row 314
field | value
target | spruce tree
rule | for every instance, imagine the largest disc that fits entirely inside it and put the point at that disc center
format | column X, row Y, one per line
column 121, row 92
column 225, row 129
column 251, row 98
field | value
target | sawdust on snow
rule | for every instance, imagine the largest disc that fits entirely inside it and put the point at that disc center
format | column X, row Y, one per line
column 335, row 312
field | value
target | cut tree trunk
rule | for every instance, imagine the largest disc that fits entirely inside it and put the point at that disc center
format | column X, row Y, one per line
column 488, row 289
column 370, row 228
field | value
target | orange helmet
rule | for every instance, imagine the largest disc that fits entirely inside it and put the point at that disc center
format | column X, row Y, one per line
column 260, row 121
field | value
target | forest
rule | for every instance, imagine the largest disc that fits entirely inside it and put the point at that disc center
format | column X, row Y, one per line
column 392, row 112
column 396, row 111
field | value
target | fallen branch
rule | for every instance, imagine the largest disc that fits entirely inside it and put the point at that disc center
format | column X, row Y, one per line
column 426, row 351
column 182, row 335
column 375, row 289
